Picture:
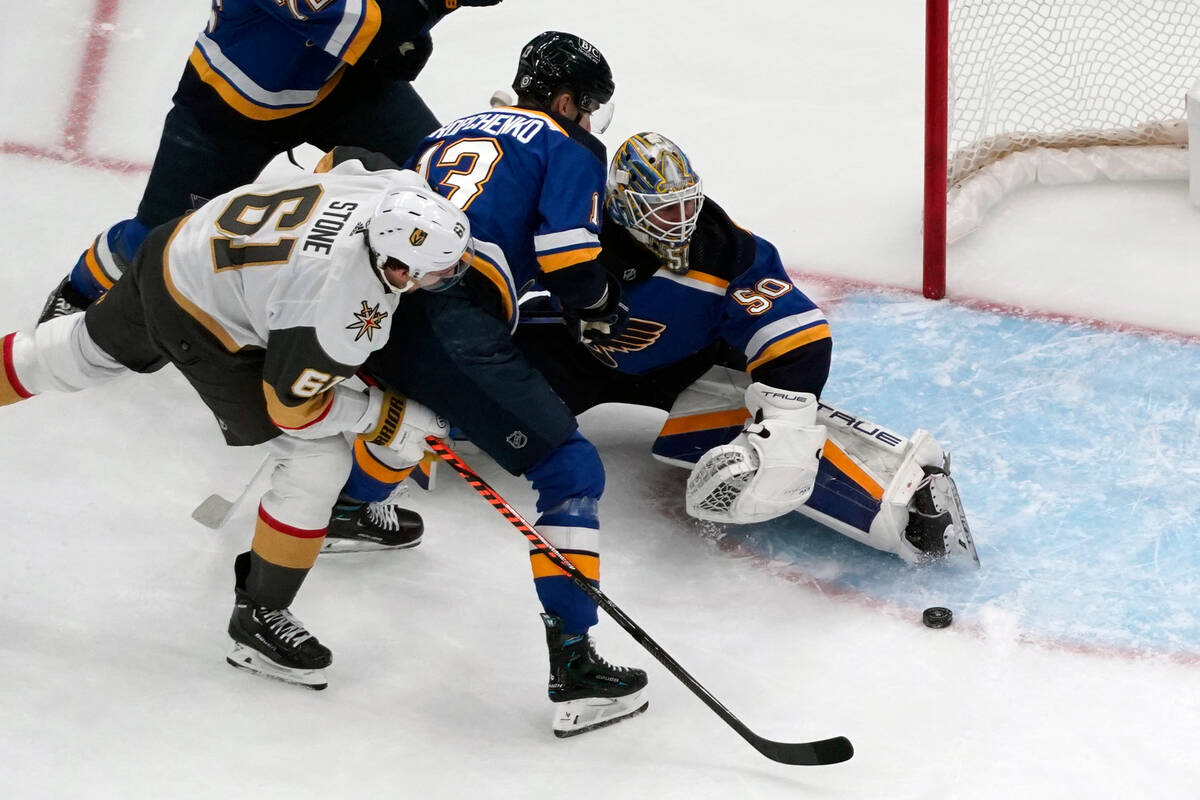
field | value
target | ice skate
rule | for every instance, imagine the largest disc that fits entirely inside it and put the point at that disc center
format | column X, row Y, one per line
column 937, row 525
column 64, row 300
column 356, row 527
column 586, row 690
column 273, row 643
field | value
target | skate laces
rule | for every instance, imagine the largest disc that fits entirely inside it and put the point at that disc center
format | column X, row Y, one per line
column 383, row 516
column 595, row 658
column 286, row 627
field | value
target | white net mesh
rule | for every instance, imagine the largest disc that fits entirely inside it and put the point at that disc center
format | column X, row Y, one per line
column 1025, row 74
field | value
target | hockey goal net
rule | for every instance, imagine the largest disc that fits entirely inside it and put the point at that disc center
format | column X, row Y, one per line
column 1022, row 91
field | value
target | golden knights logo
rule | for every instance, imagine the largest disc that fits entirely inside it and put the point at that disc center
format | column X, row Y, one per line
column 417, row 237
column 640, row 334
column 369, row 320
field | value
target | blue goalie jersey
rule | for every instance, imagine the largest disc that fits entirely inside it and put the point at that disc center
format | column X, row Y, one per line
column 531, row 183
column 736, row 291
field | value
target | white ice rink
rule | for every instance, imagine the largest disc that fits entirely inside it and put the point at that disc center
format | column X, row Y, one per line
column 805, row 120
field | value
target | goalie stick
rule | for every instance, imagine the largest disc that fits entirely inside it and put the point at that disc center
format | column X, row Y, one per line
column 820, row 752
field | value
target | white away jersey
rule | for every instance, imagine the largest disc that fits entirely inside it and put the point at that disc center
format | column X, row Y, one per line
column 284, row 267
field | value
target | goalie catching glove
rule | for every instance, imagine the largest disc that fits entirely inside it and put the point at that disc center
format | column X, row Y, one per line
column 401, row 424
column 769, row 469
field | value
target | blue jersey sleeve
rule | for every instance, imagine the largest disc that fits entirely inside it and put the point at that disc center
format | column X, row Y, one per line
column 766, row 317
column 342, row 28
column 569, row 207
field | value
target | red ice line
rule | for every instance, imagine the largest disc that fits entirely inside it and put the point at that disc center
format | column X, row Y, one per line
column 72, row 145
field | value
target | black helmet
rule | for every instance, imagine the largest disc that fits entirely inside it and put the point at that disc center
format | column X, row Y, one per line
column 554, row 62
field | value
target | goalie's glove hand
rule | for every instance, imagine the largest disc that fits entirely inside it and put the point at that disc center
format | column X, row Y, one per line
column 402, row 424
column 405, row 61
column 604, row 322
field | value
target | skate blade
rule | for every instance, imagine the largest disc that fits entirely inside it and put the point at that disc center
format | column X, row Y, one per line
column 958, row 539
column 580, row 716
column 362, row 545
column 251, row 660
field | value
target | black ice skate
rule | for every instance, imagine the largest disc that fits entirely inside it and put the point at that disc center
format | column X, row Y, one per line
column 937, row 525
column 273, row 643
column 356, row 526
column 63, row 301
column 587, row 691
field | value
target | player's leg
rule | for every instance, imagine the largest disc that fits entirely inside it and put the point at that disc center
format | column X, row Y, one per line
column 293, row 514
column 68, row 354
column 890, row 492
column 446, row 353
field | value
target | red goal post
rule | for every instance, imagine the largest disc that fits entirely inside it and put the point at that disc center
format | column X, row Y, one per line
column 1050, row 91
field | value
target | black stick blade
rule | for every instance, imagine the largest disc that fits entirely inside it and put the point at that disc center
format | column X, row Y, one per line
column 809, row 754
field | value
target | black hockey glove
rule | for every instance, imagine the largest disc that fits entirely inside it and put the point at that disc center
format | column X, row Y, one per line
column 440, row 8
column 404, row 61
column 603, row 323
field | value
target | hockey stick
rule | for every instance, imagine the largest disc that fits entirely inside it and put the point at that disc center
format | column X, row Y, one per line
column 214, row 511
column 824, row 751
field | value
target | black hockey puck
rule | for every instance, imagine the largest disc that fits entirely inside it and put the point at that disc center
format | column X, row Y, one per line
column 937, row 617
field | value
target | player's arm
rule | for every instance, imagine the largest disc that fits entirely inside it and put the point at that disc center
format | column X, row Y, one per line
column 782, row 334
column 403, row 44
column 306, row 398
column 567, row 243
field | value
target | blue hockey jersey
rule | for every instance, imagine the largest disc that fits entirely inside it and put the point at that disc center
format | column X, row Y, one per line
column 270, row 59
column 533, row 184
column 736, row 291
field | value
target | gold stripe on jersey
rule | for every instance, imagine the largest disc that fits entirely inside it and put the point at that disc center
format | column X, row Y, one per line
column 325, row 164
column 789, row 343
column 543, row 567
column 493, row 274
column 366, row 34
column 836, row 456
column 248, row 108
column 703, row 422
column 704, row 277
column 374, row 468
column 568, row 258
column 92, row 261
column 194, row 311
column 292, row 418
column 285, row 546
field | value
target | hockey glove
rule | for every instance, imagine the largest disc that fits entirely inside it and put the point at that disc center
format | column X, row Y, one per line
column 403, row 425
column 602, row 323
column 404, row 61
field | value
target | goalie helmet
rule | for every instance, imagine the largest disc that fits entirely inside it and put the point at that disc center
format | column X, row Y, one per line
column 656, row 195
column 416, row 228
column 554, row 62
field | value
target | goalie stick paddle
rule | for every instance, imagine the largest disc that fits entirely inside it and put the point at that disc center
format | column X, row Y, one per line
column 821, row 752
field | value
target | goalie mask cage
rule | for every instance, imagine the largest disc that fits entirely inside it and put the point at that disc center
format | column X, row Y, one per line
column 1020, row 91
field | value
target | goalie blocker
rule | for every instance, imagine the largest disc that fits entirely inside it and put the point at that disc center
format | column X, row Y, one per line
column 790, row 452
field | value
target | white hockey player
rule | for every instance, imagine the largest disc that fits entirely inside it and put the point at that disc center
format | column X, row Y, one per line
column 267, row 299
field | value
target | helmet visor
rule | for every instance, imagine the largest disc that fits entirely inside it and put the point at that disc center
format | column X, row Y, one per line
column 433, row 280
